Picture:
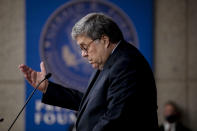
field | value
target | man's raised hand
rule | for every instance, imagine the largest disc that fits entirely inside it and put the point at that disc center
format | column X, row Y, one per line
column 34, row 77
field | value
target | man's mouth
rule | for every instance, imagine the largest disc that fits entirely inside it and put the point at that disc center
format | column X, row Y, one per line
column 90, row 62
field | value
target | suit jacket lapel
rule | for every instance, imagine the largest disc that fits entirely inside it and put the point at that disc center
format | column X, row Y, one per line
column 85, row 99
column 91, row 82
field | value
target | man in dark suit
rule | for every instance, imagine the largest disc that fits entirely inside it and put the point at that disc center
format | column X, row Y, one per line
column 172, row 118
column 121, row 93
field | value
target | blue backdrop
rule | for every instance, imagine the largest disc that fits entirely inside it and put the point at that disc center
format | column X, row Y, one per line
column 48, row 24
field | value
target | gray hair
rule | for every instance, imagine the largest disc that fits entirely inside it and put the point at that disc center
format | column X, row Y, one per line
column 95, row 25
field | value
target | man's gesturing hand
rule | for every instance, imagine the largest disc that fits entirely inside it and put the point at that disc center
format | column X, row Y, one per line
column 34, row 77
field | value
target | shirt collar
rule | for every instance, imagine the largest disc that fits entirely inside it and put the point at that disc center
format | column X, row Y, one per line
column 116, row 46
column 111, row 57
column 167, row 126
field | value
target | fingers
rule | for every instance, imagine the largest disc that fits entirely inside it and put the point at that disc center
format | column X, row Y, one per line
column 42, row 67
column 26, row 71
column 28, row 75
column 22, row 67
column 33, row 77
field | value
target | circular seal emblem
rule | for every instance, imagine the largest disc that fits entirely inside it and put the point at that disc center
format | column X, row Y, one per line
column 60, row 53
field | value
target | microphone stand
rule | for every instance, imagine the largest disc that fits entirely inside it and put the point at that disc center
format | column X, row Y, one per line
column 46, row 77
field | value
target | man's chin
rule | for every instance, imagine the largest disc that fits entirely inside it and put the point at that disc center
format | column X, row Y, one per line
column 95, row 66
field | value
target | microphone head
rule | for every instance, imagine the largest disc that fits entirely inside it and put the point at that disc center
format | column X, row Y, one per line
column 48, row 76
column 1, row 119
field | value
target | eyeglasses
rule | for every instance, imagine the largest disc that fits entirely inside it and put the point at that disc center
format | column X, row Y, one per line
column 85, row 50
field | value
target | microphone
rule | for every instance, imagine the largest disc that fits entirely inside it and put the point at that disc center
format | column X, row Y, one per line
column 1, row 119
column 45, row 78
column 48, row 76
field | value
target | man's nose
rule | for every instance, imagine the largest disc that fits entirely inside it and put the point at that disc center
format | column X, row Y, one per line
column 84, row 54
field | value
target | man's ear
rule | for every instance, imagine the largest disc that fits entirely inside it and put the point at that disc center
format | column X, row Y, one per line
column 106, row 40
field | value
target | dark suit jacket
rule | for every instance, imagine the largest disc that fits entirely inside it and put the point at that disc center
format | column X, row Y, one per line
column 120, row 97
